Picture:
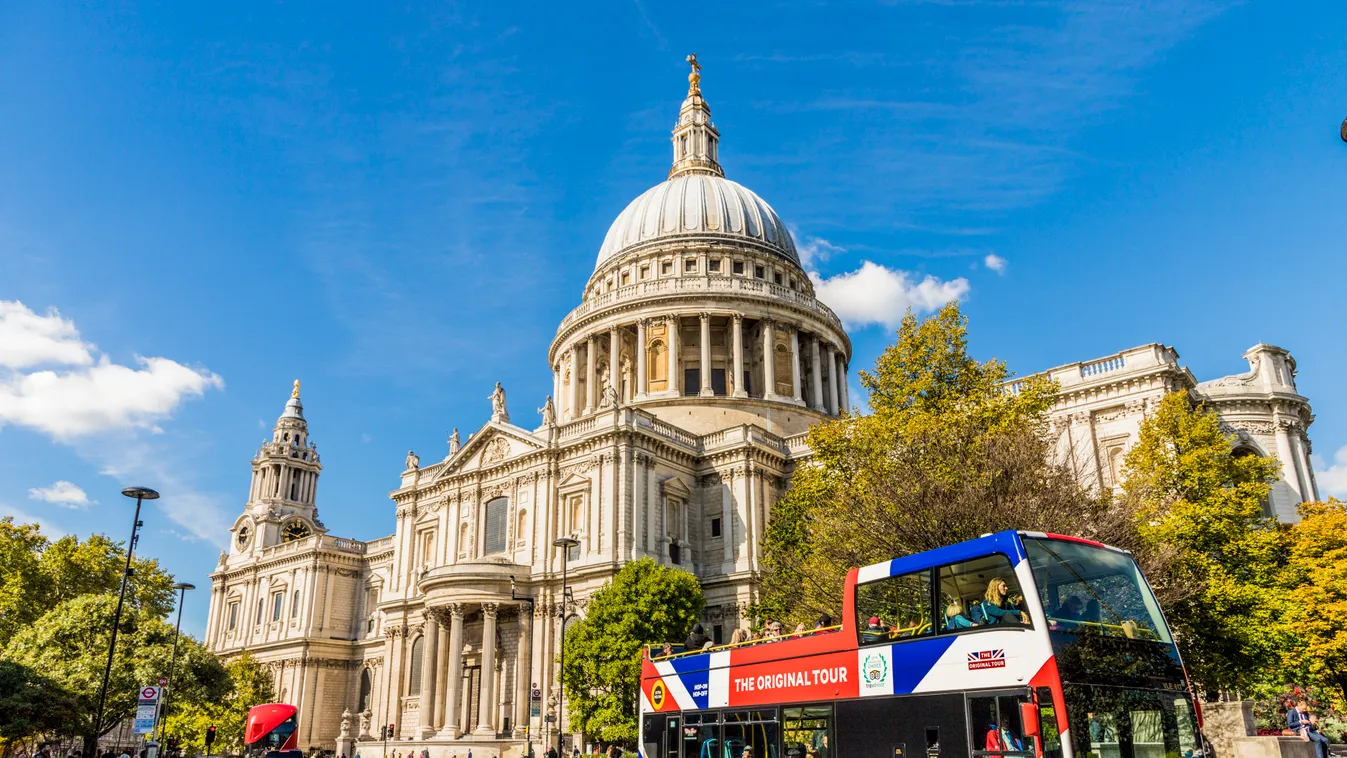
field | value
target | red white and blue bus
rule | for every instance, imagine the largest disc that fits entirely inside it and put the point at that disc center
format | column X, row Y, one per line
column 1018, row 644
column 271, row 728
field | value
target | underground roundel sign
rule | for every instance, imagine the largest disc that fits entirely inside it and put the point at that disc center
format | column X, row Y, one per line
column 657, row 695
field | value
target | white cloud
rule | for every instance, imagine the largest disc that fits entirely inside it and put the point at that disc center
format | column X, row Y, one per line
column 814, row 249
column 995, row 263
column 1332, row 479
column 62, row 493
column 875, row 294
column 201, row 515
column 85, row 393
column 23, row 517
column 27, row 339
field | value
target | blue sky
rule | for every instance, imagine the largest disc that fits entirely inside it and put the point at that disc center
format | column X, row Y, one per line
column 398, row 206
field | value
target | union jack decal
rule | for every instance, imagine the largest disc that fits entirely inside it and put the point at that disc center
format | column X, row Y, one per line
column 987, row 659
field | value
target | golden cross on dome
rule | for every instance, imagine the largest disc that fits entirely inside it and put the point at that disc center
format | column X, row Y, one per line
column 295, row 392
column 694, row 78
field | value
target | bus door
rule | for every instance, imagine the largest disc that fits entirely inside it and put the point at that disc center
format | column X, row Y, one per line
column 661, row 736
column 996, row 725
column 806, row 731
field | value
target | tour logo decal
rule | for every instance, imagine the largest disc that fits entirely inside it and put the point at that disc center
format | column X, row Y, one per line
column 875, row 671
column 987, row 659
column 657, row 695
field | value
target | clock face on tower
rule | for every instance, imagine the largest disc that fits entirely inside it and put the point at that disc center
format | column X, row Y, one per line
column 294, row 530
column 243, row 536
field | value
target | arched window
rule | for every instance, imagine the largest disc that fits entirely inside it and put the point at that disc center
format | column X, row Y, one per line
column 414, row 686
column 365, row 686
column 496, row 511
column 522, row 525
column 294, row 605
column 657, row 366
column 782, row 370
column 463, row 539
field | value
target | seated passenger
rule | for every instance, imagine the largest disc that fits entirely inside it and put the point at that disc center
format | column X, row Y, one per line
column 741, row 635
column 1091, row 613
column 874, row 630
column 996, row 607
column 697, row 639
column 1072, row 609
column 954, row 618
column 823, row 622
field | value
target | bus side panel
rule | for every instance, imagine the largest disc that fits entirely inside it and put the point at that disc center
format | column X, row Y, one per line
column 925, row 726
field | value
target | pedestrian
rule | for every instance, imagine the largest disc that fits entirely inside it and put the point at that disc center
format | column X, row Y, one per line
column 551, row 751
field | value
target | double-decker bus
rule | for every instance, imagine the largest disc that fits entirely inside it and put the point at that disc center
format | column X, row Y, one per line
column 270, row 728
column 1017, row 644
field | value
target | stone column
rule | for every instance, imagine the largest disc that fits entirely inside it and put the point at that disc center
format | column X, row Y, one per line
column 591, row 376
column 842, row 382
column 485, row 699
column 455, row 673
column 430, row 646
column 738, row 347
column 796, row 389
column 641, row 382
column 705, row 370
column 1286, row 457
column 615, row 362
column 727, row 518
column 815, row 375
column 675, row 376
column 573, row 389
column 521, row 669
column 1308, row 490
column 441, row 669
column 768, row 365
column 829, row 359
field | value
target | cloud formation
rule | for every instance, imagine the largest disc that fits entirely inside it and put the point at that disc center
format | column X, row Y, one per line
column 875, row 294
column 995, row 263
column 1332, row 478
column 49, row 529
column 82, row 392
column 813, row 250
column 62, row 493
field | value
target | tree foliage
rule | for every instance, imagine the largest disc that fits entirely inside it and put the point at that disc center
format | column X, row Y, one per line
column 69, row 644
column 249, row 684
column 644, row 604
column 948, row 453
column 1198, row 502
column 31, row 705
column 1318, row 574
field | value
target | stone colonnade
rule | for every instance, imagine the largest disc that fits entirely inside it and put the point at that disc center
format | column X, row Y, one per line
column 810, row 352
column 443, row 700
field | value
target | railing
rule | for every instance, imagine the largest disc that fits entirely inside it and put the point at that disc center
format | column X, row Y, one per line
column 578, row 427
column 797, row 443
column 341, row 543
column 377, row 546
column 1102, row 366
column 695, row 284
column 674, row 433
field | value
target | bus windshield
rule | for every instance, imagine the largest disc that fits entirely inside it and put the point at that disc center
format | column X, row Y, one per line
column 1088, row 588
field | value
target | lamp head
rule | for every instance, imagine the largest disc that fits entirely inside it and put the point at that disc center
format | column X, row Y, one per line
column 566, row 542
column 184, row 586
column 141, row 493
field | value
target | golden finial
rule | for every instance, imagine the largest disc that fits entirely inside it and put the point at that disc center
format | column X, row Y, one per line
column 694, row 78
column 295, row 392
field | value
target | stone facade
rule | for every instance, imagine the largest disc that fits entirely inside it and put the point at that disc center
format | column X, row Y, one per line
column 684, row 382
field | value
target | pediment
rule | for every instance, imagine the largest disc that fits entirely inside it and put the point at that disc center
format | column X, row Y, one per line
column 573, row 480
column 489, row 446
column 675, row 488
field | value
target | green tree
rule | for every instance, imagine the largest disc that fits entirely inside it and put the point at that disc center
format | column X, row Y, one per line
column 69, row 644
column 1318, row 579
column 644, row 604
column 949, row 452
column 249, row 684
column 1197, row 501
column 31, row 705
column 22, row 581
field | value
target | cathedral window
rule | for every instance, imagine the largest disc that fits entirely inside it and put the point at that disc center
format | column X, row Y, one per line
column 713, row 266
column 715, row 527
column 233, row 614
column 294, row 605
column 777, row 277
column 690, row 265
column 759, row 272
column 645, row 272
column 276, row 600
column 258, row 618
column 522, row 527
column 626, row 278
column 414, row 686
column 365, row 687
column 666, row 268
column 657, row 366
column 739, row 267
column 496, row 511
column 463, row 540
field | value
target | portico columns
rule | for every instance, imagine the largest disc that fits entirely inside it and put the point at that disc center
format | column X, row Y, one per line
column 796, row 389
column 455, row 674
column 573, row 386
column 614, row 363
column 640, row 389
column 815, row 375
column 430, row 646
column 591, row 376
column 738, row 379
column 485, row 698
column 705, row 371
column 675, row 379
column 768, row 365
column 441, row 666
column 842, row 382
column 832, row 379
column 521, row 689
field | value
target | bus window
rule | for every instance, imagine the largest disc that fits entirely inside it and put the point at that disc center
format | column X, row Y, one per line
column 702, row 741
column 1048, row 733
column 1089, row 589
column 994, row 726
column 747, row 737
column 971, row 594
column 806, row 732
column 897, row 607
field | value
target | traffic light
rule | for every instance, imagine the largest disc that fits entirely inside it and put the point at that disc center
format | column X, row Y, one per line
column 210, row 737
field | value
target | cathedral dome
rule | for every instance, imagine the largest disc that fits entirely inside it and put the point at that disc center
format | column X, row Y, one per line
column 698, row 205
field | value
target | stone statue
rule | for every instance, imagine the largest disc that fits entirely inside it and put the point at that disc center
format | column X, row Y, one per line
column 498, row 412
column 453, row 442
column 413, row 460
column 345, row 721
column 549, row 412
column 609, row 397
column 365, row 717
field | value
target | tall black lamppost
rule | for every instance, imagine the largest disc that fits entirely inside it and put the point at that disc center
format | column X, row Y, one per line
column 140, row 494
column 565, row 543
column 182, row 588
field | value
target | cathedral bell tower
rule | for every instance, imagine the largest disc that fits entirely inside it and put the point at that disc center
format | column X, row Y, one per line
column 281, row 501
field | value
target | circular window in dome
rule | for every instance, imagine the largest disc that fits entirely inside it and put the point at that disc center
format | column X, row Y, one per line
column 295, row 530
column 243, row 536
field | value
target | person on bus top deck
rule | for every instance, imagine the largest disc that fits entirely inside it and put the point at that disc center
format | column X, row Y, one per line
column 1072, row 610
column 954, row 618
column 996, row 605
column 823, row 622
column 696, row 639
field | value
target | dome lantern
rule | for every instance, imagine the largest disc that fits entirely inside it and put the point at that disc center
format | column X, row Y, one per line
column 695, row 139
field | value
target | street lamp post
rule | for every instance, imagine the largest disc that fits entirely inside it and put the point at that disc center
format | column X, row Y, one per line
column 140, row 494
column 565, row 543
column 182, row 588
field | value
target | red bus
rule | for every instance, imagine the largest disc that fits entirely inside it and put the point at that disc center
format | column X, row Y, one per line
column 270, row 728
column 1012, row 645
